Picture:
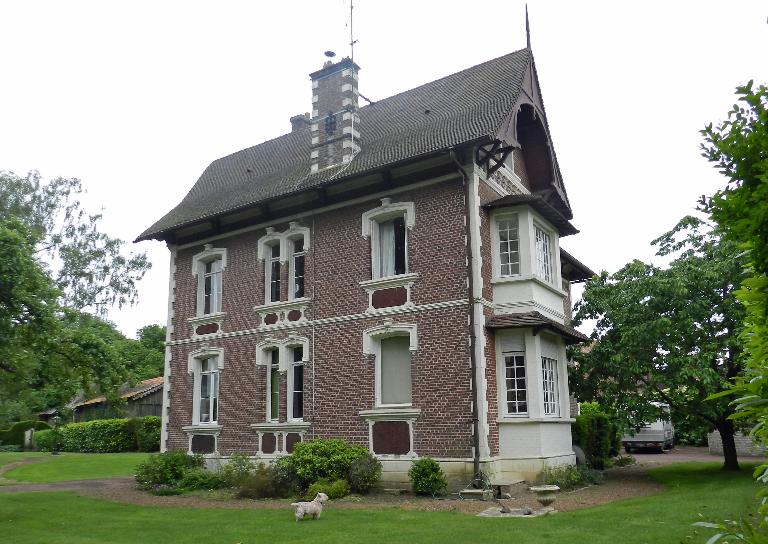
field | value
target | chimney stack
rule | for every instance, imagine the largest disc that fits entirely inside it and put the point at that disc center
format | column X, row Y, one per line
column 299, row 122
column 335, row 123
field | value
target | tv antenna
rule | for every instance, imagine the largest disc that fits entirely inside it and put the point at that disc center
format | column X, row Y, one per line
column 352, row 40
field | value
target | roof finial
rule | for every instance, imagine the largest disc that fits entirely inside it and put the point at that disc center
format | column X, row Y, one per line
column 527, row 29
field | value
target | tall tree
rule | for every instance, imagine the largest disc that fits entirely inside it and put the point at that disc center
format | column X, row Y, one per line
column 87, row 264
column 666, row 334
column 738, row 147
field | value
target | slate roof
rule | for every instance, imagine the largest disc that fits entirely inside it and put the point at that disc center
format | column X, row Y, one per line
column 538, row 203
column 140, row 390
column 464, row 107
column 577, row 271
column 535, row 319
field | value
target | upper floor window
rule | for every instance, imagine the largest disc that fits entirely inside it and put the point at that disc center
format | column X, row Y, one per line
column 509, row 246
column 298, row 256
column 272, row 270
column 276, row 248
column 392, row 258
column 544, row 260
column 387, row 227
column 209, row 266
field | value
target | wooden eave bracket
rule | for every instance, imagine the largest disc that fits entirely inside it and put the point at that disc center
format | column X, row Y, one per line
column 494, row 156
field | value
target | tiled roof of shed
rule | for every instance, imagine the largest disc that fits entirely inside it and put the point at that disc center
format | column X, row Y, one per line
column 141, row 389
column 535, row 320
column 463, row 107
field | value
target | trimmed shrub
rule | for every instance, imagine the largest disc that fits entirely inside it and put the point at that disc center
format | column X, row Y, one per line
column 166, row 469
column 336, row 489
column 364, row 473
column 148, row 433
column 199, row 478
column 44, row 440
column 15, row 435
column 98, row 436
column 570, row 476
column 427, row 478
column 322, row 460
column 263, row 483
column 237, row 469
column 593, row 433
column 10, row 447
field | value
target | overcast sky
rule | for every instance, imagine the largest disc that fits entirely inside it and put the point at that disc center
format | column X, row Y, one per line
column 137, row 98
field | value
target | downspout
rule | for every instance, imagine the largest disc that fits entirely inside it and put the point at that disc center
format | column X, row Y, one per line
column 472, row 337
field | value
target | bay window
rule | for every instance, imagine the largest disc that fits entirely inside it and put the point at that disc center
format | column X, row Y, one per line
column 550, row 386
column 544, row 260
column 515, row 383
column 509, row 246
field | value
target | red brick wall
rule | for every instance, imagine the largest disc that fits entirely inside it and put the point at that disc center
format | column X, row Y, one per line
column 343, row 379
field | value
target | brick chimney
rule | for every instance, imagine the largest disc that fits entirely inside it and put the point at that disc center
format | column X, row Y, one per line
column 299, row 122
column 335, row 123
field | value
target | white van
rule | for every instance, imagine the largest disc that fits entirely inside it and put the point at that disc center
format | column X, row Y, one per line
column 659, row 435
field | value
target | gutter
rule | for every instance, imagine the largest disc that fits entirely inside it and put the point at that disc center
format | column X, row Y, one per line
column 472, row 336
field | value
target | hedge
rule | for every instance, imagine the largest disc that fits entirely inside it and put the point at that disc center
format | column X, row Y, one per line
column 15, row 435
column 594, row 433
column 106, row 436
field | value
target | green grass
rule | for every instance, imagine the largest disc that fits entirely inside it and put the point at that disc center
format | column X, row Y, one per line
column 73, row 466
column 692, row 489
column 7, row 457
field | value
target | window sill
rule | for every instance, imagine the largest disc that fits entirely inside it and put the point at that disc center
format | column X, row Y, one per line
column 283, row 311
column 534, row 279
column 203, row 428
column 547, row 419
column 389, row 282
column 285, row 426
column 208, row 319
column 391, row 414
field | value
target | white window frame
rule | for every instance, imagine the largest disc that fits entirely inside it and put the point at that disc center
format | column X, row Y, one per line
column 498, row 272
column 550, row 386
column 285, row 241
column 292, row 364
column 284, row 347
column 506, row 389
column 290, row 242
column 551, row 247
column 372, row 346
column 270, row 367
column 199, row 261
column 270, row 260
column 370, row 230
column 194, row 366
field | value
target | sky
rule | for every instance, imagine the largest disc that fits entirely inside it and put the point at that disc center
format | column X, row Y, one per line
column 137, row 98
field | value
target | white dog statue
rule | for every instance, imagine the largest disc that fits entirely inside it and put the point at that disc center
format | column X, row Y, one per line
column 313, row 508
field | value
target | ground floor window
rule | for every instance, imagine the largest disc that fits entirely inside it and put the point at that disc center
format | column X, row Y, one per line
column 273, row 385
column 208, row 390
column 514, row 378
column 550, row 386
column 297, row 383
column 394, row 371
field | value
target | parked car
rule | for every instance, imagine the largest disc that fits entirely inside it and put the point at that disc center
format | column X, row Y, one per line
column 659, row 435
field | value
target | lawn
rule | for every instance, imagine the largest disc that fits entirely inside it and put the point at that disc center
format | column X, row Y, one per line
column 693, row 488
column 71, row 466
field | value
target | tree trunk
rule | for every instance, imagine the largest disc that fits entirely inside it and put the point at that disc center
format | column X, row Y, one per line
column 726, row 430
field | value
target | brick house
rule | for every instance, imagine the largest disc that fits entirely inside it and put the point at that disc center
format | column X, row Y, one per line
column 390, row 274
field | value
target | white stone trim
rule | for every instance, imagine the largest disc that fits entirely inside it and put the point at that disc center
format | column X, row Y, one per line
column 315, row 98
column 314, row 154
column 282, row 309
column 510, row 176
column 213, row 429
column 193, row 369
column 283, row 429
column 282, row 345
column 409, row 415
column 268, row 241
column 208, row 254
column 388, row 210
column 314, row 84
column 346, row 86
column 168, row 354
column 384, row 312
column 315, row 139
column 205, row 352
column 378, row 284
column 389, row 329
